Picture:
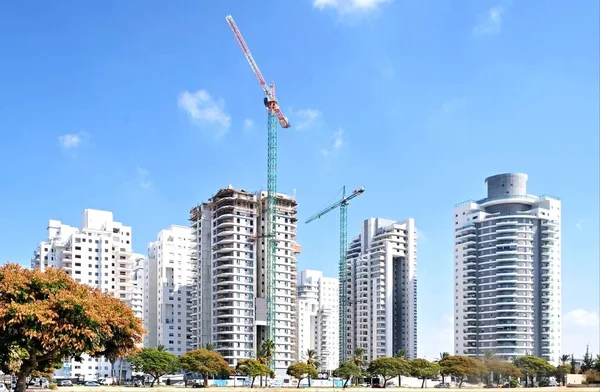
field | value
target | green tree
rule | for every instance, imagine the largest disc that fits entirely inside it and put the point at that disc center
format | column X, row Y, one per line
column 423, row 369
column 312, row 359
column 209, row 347
column 587, row 362
column 253, row 368
column 357, row 358
column 564, row 359
column 154, row 362
column 443, row 355
column 592, row 377
column 301, row 371
column 205, row 362
column 499, row 369
column 597, row 363
column 561, row 373
column 401, row 354
column 347, row 371
column 385, row 367
column 573, row 365
column 404, row 369
column 45, row 317
column 460, row 367
column 531, row 366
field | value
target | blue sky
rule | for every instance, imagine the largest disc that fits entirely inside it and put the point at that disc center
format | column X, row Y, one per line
column 145, row 109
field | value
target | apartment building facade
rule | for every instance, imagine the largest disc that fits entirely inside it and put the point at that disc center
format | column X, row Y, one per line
column 507, row 258
column 318, row 318
column 230, row 309
column 98, row 254
column 170, row 281
column 382, row 289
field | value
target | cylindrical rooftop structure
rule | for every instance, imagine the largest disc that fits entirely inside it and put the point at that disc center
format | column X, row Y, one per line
column 507, row 184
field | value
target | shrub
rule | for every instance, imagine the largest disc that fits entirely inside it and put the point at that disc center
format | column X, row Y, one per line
column 52, row 386
column 592, row 377
column 514, row 383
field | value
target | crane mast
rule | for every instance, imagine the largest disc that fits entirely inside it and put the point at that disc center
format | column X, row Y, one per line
column 274, row 116
column 343, row 294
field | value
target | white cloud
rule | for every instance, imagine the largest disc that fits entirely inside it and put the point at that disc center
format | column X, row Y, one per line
column 579, row 224
column 306, row 118
column 491, row 22
column 71, row 140
column 582, row 318
column 337, row 142
column 248, row 124
column 204, row 110
column 143, row 177
column 349, row 6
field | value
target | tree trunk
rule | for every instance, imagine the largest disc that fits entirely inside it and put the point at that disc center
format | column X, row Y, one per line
column 252, row 383
column 423, row 383
column 309, row 382
column 24, row 372
column 299, row 383
column 205, row 377
column 460, row 382
column 399, row 381
column 120, row 369
column 346, row 383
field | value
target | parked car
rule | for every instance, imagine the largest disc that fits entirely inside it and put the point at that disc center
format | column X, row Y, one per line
column 91, row 384
column 442, row 385
column 65, row 383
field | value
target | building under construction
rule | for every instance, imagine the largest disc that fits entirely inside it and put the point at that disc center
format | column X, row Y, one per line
column 230, row 308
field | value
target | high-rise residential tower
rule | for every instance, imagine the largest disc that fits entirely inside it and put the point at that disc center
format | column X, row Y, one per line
column 230, row 308
column 170, row 276
column 318, row 315
column 98, row 254
column 382, row 289
column 507, row 261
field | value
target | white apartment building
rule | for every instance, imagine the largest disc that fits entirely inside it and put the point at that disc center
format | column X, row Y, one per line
column 318, row 318
column 230, row 309
column 507, row 258
column 170, row 276
column 97, row 254
column 382, row 289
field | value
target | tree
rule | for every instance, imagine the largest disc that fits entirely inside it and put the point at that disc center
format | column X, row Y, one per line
column 592, row 377
column 460, row 367
column 154, row 362
column 209, row 347
column 404, row 367
column 531, row 366
column 564, row 359
column 312, row 359
column 561, row 373
column 253, row 368
column 357, row 358
column 205, row 362
column 573, row 365
column 45, row 317
column 423, row 369
column 385, row 367
column 597, row 363
column 501, row 368
column 443, row 355
column 587, row 362
column 347, row 371
column 300, row 371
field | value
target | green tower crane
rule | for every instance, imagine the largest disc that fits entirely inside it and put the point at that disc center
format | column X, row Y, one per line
column 274, row 116
column 343, row 295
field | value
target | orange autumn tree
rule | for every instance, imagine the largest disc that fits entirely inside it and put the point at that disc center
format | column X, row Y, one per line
column 46, row 317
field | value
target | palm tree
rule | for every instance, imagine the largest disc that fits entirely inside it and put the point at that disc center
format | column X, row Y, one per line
column 161, row 347
column 443, row 355
column 357, row 358
column 209, row 347
column 269, row 349
column 489, row 355
column 403, row 355
column 312, row 360
column 564, row 359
